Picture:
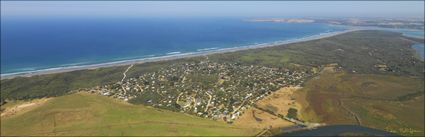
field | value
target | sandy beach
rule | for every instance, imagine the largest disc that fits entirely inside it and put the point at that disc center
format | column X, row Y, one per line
column 170, row 57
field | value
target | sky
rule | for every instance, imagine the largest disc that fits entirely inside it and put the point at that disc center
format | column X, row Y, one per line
column 394, row 9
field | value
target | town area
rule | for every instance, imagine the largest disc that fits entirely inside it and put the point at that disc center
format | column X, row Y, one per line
column 206, row 89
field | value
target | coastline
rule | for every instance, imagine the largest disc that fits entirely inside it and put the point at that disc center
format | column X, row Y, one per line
column 171, row 56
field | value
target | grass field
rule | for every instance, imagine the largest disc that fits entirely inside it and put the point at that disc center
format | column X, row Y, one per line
column 87, row 114
column 259, row 119
column 280, row 101
column 392, row 103
column 400, row 117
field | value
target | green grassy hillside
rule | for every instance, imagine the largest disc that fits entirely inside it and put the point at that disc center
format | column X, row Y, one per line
column 86, row 114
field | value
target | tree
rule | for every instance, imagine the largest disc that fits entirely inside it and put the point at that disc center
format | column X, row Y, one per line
column 292, row 113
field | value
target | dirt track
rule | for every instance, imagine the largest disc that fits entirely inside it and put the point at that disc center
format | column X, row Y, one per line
column 18, row 109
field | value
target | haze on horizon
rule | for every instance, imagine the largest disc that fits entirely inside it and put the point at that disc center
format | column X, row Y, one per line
column 390, row 9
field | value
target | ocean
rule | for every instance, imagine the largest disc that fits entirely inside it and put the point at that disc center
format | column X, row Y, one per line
column 37, row 44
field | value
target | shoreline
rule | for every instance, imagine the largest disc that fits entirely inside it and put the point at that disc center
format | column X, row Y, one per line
column 171, row 56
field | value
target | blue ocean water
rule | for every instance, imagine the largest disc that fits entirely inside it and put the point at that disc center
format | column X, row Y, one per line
column 35, row 44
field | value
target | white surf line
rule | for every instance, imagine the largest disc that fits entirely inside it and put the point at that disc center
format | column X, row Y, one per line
column 169, row 57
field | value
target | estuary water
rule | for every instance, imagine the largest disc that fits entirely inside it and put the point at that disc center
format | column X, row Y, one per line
column 35, row 44
column 341, row 130
column 419, row 48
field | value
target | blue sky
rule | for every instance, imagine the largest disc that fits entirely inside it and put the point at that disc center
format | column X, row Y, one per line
column 212, row 8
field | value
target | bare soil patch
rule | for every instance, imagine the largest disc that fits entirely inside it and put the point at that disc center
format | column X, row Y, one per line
column 22, row 108
column 255, row 118
column 280, row 101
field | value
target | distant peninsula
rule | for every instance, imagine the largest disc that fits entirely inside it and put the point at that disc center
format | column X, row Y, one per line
column 289, row 20
column 398, row 23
